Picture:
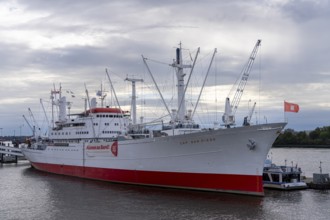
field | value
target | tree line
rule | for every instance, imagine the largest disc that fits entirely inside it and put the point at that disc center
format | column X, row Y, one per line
column 290, row 137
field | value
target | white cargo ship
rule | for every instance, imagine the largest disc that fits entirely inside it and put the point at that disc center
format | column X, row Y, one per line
column 104, row 143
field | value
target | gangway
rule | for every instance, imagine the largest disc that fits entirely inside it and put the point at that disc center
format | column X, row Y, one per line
column 11, row 151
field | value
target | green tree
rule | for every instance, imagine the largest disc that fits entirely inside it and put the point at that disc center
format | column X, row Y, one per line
column 319, row 136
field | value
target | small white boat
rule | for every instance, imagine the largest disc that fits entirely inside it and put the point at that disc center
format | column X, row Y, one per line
column 282, row 177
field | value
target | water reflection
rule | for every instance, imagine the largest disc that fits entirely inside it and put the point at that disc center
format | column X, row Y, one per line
column 72, row 198
column 30, row 194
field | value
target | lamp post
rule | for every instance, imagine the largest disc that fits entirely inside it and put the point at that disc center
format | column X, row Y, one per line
column 20, row 130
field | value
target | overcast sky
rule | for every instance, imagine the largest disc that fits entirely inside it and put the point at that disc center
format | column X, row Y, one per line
column 72, row 42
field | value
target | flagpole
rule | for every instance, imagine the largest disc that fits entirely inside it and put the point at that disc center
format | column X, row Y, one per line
column 284, row 111
column 290, row 107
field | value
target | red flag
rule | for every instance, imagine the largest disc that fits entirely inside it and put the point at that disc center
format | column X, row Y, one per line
column 291, row 107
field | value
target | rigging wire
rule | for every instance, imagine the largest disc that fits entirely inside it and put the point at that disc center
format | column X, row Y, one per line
column 259, row 89
column 216, row 89
column 156, row 61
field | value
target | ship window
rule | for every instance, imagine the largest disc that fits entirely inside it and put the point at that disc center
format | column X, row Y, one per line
column 275, row 177
column 286, row 178
column 265, row 177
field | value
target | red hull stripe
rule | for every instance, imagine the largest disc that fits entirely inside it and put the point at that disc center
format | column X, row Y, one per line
column 244, row 184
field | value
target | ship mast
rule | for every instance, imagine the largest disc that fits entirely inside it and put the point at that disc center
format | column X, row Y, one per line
column 133, row 97
column 180, row 115
column 55, row 101
column 101, row 93
column 180, row 83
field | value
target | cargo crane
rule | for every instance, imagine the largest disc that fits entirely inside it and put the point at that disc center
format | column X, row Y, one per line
column 247, row 119
column 31, row 127
column 230, row 108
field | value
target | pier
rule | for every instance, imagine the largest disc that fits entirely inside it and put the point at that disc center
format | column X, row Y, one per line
column 6, row 151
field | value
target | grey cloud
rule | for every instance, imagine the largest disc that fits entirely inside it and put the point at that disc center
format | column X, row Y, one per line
column 304, row 11
column 123, row 30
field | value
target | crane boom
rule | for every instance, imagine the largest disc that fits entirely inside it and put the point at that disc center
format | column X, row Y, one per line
column 28, row 123
column 229, row 115
column 248, row 118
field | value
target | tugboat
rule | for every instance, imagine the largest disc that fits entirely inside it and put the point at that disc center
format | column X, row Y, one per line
column 320, row 180
column 282, row 177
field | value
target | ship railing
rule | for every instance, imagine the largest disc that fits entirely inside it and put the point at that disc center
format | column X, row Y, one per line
column 180, row 125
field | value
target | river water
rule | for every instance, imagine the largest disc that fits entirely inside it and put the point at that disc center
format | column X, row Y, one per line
column 26, row 193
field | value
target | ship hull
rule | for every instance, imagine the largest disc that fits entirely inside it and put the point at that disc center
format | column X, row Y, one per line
column 194, row 181
column 226, row 160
